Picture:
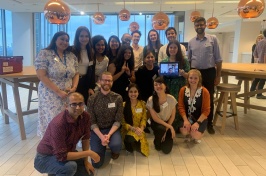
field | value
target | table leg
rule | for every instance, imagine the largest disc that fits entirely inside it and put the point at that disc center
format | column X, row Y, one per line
column 5, row 103
column 19, row 111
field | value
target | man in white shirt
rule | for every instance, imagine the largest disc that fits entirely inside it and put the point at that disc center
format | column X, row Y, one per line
column 137, row 50
column 170, row 34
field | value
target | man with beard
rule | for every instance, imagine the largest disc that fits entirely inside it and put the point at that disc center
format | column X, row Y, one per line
column 137, row 49
column 170, row 34
column 106, row 110
column 126, row 39
column 56, row 152
column 204, row 55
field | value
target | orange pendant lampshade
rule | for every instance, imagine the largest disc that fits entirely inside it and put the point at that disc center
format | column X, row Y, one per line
column 212, row 23
column 250, row 8
column 194, row 15
column 124, row 15
column 98, row 18
column 134, row 26
column 160, row 21
column 57, row 12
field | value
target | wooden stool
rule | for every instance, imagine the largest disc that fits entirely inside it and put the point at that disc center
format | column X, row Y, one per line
column 246, row 90
column 30, row 94
column 225, row 89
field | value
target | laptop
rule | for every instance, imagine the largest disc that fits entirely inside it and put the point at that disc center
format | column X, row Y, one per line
column 169, row 69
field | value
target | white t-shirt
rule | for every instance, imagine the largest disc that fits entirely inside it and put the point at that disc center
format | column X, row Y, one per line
column 101, row 67
column 165, row 109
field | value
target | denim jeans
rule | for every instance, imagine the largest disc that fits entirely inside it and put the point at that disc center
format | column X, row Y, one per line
column 49, row 164
column 115, row 145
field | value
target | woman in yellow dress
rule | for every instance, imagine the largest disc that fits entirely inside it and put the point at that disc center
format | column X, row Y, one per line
column 134, row 122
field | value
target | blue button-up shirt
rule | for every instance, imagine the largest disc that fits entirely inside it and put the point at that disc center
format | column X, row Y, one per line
column 204, row 53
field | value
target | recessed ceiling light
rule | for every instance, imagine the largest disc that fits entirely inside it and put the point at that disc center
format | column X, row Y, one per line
column 82, row 13
column 140, row 13
column 183, row 2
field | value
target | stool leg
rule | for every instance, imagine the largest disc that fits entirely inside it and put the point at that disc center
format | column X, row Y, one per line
column 246, row 98
column 218, row 108
column 29, row 96
column 234, row 108
column 224, row 111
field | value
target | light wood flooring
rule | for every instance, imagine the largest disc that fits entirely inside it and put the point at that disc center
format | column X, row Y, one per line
column 235, row 153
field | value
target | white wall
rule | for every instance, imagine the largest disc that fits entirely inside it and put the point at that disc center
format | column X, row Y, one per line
column 23, row 40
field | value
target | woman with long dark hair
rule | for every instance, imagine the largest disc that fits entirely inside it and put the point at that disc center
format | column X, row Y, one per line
column 134, row 122
column 57, row 70
column 122, row 69
column 113, row 47
column 162, row 107
column 82, row 48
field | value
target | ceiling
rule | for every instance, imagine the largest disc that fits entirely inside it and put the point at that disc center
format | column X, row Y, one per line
column 224, row 10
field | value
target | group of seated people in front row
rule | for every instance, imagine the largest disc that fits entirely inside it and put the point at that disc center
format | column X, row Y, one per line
column 111, row 122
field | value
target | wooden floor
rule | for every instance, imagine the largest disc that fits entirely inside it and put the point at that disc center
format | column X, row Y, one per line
column 235, row 153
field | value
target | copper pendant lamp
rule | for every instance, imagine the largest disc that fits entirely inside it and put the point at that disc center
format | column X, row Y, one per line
column 250, row 8
column 57, row 12
column 160, row 20
column 195, row 14
column 98, row 17
column 124, row 14
column 212, row 22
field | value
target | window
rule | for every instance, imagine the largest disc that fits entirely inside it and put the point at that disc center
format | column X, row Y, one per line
column 9, row 36
column 1, row 34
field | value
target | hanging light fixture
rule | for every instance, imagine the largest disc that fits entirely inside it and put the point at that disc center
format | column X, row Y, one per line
column 212, row 22
column 134, row 26
column 195, row 14
column 160, row 20
column 250, row 8
column 98, row 17
column 57, row 12
column 124, row 14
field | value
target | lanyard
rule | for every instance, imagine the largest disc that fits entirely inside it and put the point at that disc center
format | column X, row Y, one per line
column 63, row 61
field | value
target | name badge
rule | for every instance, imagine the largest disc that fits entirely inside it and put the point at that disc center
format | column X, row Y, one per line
column 90, row 63
column 154, row 76
column 164, row 105
column 111, row 105
column 138, row 110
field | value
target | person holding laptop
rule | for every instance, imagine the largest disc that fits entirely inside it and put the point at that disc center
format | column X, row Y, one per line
column 175, row 81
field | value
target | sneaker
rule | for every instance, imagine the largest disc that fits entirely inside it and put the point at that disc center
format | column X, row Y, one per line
column 187, row 138
column 261, row 97
column 114, row 155
column 210, row 129
column 197, row 141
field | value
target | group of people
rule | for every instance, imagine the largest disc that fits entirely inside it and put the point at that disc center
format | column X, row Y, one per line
column 121, row 87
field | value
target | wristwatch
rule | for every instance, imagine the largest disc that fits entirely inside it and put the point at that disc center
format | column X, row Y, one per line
column 199, row 122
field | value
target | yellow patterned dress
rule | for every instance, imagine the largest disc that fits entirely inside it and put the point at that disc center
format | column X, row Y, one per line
column 139, row 116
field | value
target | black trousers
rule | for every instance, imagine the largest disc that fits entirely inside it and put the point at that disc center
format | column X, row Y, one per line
column 208, row 78
column 260, row 86
column 159, row 130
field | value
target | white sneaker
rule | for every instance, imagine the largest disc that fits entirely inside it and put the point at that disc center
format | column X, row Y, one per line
column 197, row 141
column 187, row 138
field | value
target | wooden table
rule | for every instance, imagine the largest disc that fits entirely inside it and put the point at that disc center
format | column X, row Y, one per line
column 248, row 71
column 17, row 80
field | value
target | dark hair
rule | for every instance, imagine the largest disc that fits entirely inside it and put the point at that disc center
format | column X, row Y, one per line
column 127, row 108
column 145, row 54
column 158, row 42
column 168, row 29
column 95, row 40
column 155, row 98
column 77, row 47
column 137, row 31
column 199, row 19
column 119, row 61
column 264, row 32
column 109, row 50
column 52, row 45
column 179, row 56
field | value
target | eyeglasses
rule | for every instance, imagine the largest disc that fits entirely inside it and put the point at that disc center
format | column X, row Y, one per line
column 199, row 25
column 74, row 105
column 106, row 80
column 157, row 84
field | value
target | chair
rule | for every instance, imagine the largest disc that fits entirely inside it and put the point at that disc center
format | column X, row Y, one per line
column 246, row 89
column 225, row 90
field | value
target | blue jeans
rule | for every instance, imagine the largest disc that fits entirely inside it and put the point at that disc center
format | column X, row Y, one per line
column 49, row 164
column 115, row 145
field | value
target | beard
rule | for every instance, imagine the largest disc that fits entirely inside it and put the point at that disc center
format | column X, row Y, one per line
column 200, row 30
column 106, row 87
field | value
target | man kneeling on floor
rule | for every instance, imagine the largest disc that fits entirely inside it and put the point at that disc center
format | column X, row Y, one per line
column 56, row 152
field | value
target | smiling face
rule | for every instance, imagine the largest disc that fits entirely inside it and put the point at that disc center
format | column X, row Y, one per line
column 114, row 44
column 75, row 105
column 171, row 35
column 173, row 49
column 159, row 87
column 200, row 27
column 193, row 79
column 136, row 38
column 149, row 59
column 100, row 47
column 106, row 82
column 84, row 38
column 62, row 42
column 127, row 54
column 153, row 36
column 133, row 93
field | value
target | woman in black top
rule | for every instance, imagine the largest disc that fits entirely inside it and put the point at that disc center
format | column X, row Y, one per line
column 113, row 47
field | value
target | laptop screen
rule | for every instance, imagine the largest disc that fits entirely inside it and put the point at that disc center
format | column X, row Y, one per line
column 169, row 69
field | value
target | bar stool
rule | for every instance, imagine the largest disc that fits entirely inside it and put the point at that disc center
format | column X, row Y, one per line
column 225, row 89
column 246, row 90
column 30, row 94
